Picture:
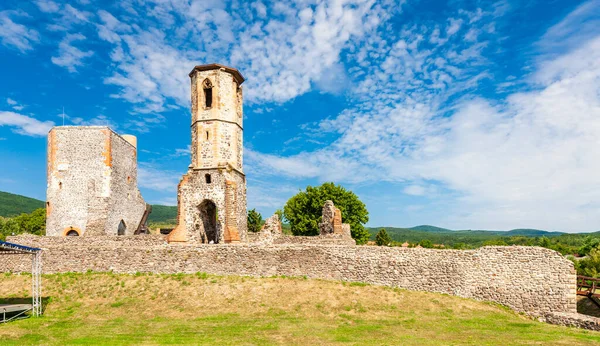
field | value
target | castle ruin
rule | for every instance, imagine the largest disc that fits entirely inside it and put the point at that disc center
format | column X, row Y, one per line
column 92, row 191
column 211, row 196
column 92, row 183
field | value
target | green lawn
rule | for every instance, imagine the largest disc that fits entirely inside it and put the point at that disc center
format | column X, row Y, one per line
column 204, row 309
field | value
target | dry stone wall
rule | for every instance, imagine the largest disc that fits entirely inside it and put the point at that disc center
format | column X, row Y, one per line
column 533, row 280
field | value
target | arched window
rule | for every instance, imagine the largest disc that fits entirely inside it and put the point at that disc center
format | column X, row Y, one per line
column 122, row 228
column 208, row 93
column 207, row 177
column 72, row 233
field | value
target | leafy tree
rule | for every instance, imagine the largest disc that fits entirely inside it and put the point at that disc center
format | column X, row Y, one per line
column 34, row 223
column 426, row 243
column 382, row 238
column 303, row 211
column 590, row 265
column 589, row 243
column 255, row 221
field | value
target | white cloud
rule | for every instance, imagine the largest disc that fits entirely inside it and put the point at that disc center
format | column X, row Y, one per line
column 153, row 178
column 16, row 35
column 47, row 6
column 11, row 102
column 25, row 125
column 183, row 151
column 71, row 57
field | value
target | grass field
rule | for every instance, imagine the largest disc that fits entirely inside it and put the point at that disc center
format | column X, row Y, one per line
column 103, row 308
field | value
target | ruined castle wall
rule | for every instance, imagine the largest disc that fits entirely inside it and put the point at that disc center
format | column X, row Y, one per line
column 79, row 161
column 527, row 279
column 125, row 202
column 92, row 182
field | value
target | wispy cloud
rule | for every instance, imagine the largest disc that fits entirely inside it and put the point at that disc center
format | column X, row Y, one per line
column 15, row 35
column 71, row 57
column 25, row 125
column 154, row 178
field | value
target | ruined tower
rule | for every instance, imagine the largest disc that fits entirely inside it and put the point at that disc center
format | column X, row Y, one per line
column 92, row 183
column 211, row 197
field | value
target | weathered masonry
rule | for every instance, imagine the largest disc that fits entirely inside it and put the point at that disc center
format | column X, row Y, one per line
column 92, row 183
column 211, row 196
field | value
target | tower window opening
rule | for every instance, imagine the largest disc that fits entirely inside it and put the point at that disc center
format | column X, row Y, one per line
column 208, row 93
column 206, row 135
column 207, row 177
column 60, row 185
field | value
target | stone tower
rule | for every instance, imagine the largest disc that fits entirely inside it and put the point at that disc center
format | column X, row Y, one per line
column 211, row 197
column 92, row 183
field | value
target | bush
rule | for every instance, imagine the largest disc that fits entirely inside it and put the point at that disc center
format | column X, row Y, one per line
column 382, row 238
column 255, row 221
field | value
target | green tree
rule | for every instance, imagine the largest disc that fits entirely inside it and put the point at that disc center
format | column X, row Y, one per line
column 303, row 211
column 590, row 265
column 255, row 221
column 426, row 243
column 589, row 243
column 34, row 223
column 382, row 238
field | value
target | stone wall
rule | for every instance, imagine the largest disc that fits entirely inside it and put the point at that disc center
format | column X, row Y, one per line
column 573, row 320
column 533, row 280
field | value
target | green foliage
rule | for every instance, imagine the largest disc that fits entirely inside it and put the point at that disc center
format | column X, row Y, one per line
column 303, row 211
column 12, row 205
column 255, row 221
column 589, row 265
column 279, row 213
column 426, row 243
column 589, row 243
column 382, row 238
column 34, row 223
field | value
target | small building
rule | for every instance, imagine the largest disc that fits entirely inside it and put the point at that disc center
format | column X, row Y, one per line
column 92, row 183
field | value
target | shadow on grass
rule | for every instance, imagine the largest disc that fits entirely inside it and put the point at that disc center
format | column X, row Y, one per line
column 24, row 300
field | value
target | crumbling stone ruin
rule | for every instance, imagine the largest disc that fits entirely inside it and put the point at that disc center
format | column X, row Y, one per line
column 92, row 183
column 332, row 231
column 211, row 196
column 331, row 221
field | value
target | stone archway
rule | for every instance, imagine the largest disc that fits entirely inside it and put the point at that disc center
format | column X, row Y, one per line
column 208, row 218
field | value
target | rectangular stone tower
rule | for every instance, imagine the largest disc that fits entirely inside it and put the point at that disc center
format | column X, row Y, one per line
column 211, row 197
column 92, row 183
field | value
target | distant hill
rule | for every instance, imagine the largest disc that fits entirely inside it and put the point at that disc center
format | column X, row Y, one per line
column 13, row 205
column 474, row 238
column 428, row 228
column 163, row 214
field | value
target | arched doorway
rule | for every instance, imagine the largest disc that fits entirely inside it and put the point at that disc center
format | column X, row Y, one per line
column 208, row 217
column 122, row 228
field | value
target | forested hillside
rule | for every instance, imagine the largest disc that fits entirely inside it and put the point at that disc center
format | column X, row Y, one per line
column 13, row 205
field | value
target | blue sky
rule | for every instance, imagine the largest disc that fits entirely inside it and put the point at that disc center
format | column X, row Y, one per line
column 461, row 114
